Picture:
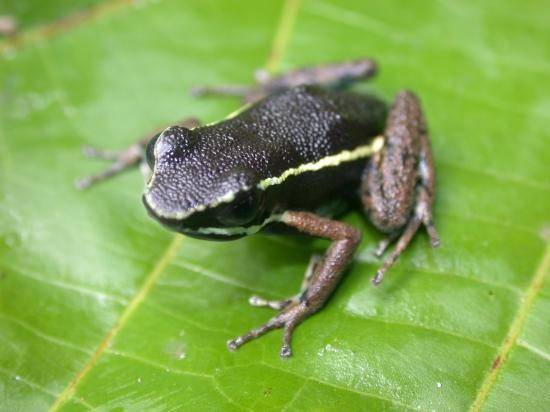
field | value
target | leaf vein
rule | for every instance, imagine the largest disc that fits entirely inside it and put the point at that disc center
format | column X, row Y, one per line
column 422, row 327
column 157, row 365
column 369, row 24
column 427, row 271
column 147, row 285
column 341, row 387
column 516, row 327
column 184, row 319
column 497, row 175
column 84, row 290
column 215, row 276
column 27, row 382
column 544, row 355
column 282, row 36
column 494, row 222
column 42, row 335
column 296, row 395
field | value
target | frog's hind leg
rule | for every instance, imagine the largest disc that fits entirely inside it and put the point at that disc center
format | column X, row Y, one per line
column 324, row 279
column 399, row 182
column 258, row 301
column 421, row 215
column 236, row 90
column 335, row 74
column 124, row 159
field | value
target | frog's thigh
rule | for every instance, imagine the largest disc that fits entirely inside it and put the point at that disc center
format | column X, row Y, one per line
column 336, row 74
column 389, row 181
column 399, row 182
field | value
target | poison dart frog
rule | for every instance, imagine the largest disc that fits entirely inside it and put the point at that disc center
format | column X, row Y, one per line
column 302, row 144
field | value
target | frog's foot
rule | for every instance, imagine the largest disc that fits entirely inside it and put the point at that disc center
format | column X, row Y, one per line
column 336, row 74
column 124, row 159
column 320, row 280
column 287, row 319
column 383, row 245
column 261, row 302
column 121, row 161
column 221, row 90
column 422, row 215
column 292, row 311
column 399, row 182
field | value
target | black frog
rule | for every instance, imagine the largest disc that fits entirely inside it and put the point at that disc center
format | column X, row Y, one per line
column 301, row 145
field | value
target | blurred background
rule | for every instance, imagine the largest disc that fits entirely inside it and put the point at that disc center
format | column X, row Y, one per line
column 102, row 308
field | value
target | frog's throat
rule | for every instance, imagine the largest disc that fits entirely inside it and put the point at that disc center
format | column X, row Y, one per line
column 344, row 156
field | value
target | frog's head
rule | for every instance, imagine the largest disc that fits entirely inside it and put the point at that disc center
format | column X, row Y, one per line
column 200, row 188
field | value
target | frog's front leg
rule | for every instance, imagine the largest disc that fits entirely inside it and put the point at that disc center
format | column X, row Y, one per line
column 324, row 279
column 399, row 182
column 336, row 74
column 124, row 159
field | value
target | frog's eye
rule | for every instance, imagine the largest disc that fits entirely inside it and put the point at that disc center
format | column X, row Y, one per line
column 241, row 210
column 150, row 152
column 172, row 145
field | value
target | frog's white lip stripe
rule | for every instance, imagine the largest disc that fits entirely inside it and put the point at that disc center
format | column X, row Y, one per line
column 238, row 230
column 328, row 161
column 227, row 198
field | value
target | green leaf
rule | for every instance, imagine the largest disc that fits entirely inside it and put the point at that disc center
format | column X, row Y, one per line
column 102, row 308
column 30, row 14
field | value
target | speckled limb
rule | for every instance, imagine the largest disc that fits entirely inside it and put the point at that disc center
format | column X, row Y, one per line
column 329, row 75
column 261, row 302
column 324, row 280
column 125, row 159
column 399, row 183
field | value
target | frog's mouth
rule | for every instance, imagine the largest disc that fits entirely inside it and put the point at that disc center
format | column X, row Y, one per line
column 204, row 225
column 160, row 212
column 190, row 218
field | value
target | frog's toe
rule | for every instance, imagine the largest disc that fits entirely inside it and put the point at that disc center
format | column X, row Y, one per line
column 119, row 162
column 286, row 351
column 260, row 302
column 432, row 233
column 98, row 153
column 273, row 323
column 288, row 318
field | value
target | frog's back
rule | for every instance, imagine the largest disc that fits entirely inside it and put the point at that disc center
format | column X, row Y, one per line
column 306, row 145
column 304, row 125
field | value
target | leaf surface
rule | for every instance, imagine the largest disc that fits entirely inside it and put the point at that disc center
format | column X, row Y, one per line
column 102, row 308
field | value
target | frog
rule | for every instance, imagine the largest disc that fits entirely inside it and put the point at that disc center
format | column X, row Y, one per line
column 303, row 144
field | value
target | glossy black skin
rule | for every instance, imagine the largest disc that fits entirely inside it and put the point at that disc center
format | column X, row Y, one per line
column 284, row 130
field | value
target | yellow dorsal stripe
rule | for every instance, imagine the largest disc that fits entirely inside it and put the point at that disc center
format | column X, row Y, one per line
column 328, row 161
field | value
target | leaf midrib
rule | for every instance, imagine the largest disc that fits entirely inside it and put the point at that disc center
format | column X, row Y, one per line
column 148, row 284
